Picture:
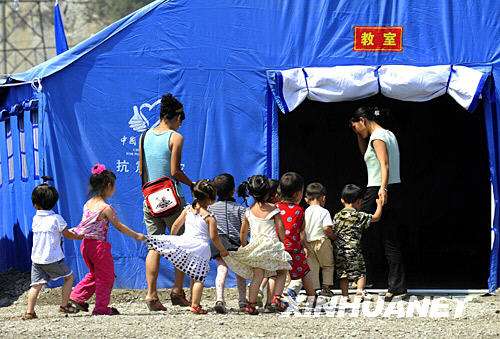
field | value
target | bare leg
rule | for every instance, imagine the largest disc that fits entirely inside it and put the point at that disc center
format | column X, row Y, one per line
column 242, row 289
column 270, row 290
column 152, row 268
column 191, row 287
column 196, row 292
column 66, row 289
column 179, row 281
column 264, row 284
column 308, row 284
column 279, row 282
column 344, row 286
column 258, row 275
column 32, row 297
column 361, row 283
column 220, row 280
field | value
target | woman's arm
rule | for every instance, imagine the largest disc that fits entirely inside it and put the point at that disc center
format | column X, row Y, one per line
column 214, row 235
column 110, row 214
column 181, row 219
column 244, row 231
column 279, row 227
column 383, row 157
column 177, row 141
column 362, row 144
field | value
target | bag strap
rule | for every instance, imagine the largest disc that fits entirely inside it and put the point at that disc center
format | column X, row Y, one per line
column 142, row 160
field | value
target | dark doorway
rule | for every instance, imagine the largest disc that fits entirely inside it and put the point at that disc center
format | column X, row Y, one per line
column 445, row 174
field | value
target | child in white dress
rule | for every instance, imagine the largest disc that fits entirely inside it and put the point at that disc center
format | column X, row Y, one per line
column 190, row 252
column 264, row 255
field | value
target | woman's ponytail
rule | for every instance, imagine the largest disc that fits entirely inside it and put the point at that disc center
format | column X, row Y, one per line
column 372, row 113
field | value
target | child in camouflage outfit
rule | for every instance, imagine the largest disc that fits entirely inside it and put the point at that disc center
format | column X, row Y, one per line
column 347, row 227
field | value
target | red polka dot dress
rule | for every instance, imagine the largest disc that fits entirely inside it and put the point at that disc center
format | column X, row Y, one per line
column 292, row 216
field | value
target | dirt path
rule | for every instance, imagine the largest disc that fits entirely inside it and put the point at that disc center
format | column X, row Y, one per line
column 481, row 318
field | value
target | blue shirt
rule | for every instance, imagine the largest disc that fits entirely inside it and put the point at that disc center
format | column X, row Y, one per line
column 157, row 154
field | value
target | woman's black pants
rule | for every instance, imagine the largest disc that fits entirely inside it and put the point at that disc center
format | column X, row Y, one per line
column 384, row 235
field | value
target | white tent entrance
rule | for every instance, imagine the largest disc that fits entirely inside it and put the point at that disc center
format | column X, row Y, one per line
column 444, row 167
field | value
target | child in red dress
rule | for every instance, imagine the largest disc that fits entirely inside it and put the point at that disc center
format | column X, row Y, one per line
column 291, row 190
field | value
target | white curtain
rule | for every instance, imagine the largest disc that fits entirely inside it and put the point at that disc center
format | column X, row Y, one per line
column 344, row 83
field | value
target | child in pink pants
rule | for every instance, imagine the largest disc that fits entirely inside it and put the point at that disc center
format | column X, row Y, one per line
column 95, row 248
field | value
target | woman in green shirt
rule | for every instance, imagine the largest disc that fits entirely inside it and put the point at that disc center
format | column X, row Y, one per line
column 380, row 150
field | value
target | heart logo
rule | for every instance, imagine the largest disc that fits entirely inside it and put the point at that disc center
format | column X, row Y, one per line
column 143, row 114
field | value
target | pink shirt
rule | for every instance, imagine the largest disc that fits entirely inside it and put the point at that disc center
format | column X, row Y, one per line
column 91, row 227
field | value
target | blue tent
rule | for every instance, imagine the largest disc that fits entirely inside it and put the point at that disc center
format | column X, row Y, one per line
column 235, row 65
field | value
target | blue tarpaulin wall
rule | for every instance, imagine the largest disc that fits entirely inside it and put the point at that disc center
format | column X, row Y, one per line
column 99, row 95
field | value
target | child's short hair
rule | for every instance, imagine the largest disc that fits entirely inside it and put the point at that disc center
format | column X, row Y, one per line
column 44, row 197
column 203, row 190
column 290, row 183
column 224, row 184
column 256, row 186
column 351, row 193
column 273, row 189
column 315, row 191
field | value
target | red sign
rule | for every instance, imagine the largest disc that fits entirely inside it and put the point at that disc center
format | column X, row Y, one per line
column 369, row 38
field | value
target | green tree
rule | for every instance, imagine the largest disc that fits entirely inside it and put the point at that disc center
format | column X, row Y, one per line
column 108, row 11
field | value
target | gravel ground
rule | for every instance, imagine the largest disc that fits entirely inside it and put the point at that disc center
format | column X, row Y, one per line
column 481, row 318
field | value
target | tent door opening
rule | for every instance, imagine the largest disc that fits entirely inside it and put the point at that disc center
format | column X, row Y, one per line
column 445, row 172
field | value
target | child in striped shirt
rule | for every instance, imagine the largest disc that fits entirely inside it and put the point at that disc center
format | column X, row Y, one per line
column 229, row 216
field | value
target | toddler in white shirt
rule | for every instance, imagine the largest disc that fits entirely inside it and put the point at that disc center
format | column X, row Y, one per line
column 46, row 255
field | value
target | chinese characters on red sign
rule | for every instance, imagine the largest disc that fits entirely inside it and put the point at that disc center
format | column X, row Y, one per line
column 378, row 38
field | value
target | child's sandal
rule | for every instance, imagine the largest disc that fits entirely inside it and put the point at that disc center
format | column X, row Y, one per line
column 242, row 305
column 220, row 307
column 68, row 309
column 198, row 310
column 251, row 309
column 29, row 316
column 80, row 306
column 268, row 308
column 278, row 304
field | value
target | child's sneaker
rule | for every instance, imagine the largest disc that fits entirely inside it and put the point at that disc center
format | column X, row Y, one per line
column 325, row 292
column 364, row 296
column 314, row 301
column 220, row 307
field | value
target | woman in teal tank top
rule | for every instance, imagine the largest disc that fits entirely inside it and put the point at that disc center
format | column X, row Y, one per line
column 381, row 154
column 162, row 156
